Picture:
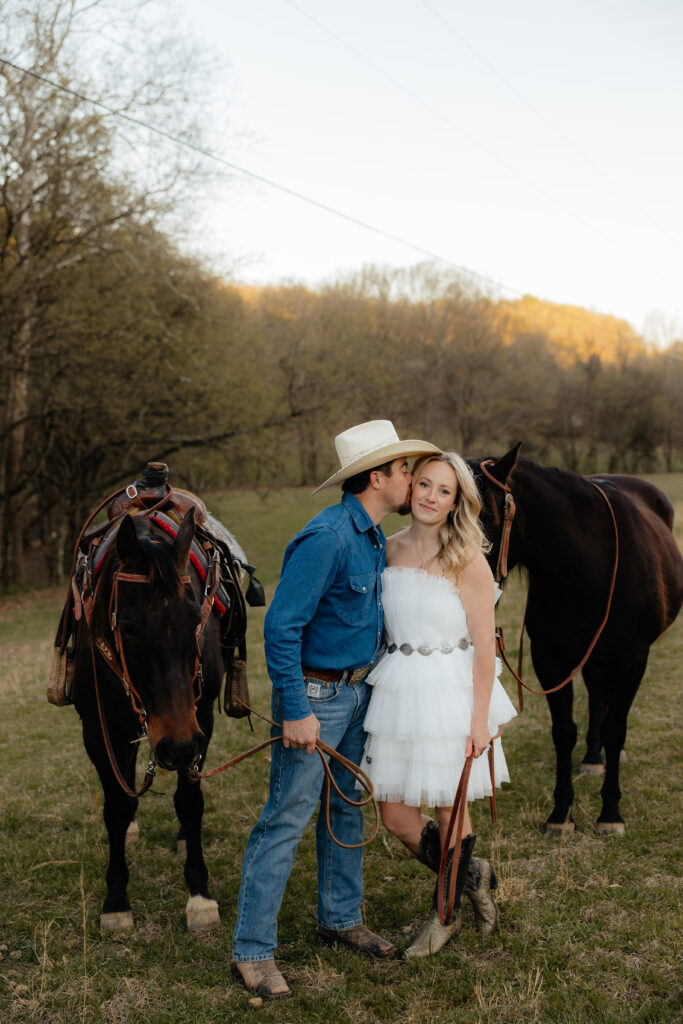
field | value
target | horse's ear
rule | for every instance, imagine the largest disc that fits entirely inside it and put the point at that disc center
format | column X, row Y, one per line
column 505, row 464
column 127, row 543
column 181, row 545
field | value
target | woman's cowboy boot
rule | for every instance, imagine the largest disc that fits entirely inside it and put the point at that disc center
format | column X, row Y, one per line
column 435, row 935
column 430, row 846
column 479, row 881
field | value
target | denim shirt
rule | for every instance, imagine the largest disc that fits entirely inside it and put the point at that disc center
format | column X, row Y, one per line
column 327, row 608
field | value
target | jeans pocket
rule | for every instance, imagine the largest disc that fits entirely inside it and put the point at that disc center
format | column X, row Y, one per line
column 319, row 691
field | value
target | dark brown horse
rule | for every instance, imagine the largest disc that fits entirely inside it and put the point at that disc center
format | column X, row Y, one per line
column 564, row 536
column 139, row 649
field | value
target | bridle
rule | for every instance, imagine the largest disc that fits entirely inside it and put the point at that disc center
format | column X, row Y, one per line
column 509, row 510
column 501, row 573
column 116, row 660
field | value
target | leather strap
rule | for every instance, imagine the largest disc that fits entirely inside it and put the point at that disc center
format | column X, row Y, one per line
column 501, row 573
column 325, row 752
column 501, row 640
column 149, row 774
column 445, row 902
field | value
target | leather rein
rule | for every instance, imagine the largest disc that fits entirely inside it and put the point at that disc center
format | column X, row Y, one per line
column 116, row 660
column 501, row 573
column 119, row 666
column 324, row 751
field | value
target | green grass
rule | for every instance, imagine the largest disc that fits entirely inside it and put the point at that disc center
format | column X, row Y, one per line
column 589, row 927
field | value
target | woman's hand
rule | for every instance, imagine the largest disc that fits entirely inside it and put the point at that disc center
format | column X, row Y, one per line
column 478, row 740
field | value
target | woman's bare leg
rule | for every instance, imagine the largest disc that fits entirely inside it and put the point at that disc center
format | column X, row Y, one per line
column 404, row 822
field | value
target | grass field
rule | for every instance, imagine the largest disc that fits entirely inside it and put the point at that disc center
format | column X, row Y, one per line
column 590, row 927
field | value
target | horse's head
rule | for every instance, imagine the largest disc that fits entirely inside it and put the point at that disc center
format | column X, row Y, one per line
column 156, row 617
column 493, row 477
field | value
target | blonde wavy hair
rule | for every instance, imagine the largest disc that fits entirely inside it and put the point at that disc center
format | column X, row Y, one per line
column 462, row 532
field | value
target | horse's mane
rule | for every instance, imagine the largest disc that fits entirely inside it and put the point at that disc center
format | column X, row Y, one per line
column 158, row 562
column 563, row 481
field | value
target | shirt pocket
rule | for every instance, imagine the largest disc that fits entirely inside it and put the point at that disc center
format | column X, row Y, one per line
column 357, row 600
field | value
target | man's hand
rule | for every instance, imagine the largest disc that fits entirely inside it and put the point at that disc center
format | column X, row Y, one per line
column 301, row 734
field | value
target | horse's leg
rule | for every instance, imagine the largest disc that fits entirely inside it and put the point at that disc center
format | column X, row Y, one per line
column 545, row 660
column 119, row 811
column 592, row 761
column 564, row 734
column 201, row 911
column 628, row 673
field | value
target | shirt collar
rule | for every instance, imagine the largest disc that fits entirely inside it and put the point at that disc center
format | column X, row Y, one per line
column 361, row 519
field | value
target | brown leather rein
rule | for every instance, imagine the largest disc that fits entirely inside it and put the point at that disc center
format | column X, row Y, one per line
column 501, row 573
column 116, row 661
column 322, row 749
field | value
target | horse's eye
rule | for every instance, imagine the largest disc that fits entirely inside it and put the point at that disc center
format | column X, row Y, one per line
column 130, row 627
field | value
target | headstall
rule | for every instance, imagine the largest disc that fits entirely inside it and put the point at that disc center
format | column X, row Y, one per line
column 115, row 659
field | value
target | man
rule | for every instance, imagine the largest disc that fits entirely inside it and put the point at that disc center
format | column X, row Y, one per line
column 323, row 633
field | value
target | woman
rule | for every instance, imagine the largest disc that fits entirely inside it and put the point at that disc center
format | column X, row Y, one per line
column 436, row 698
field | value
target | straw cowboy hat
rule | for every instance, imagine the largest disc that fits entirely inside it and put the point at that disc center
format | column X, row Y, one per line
column 372, row 444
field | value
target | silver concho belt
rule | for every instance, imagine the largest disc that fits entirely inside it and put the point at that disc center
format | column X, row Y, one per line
column 446, row 647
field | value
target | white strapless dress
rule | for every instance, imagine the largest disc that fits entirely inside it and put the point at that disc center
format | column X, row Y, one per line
column 420, row 711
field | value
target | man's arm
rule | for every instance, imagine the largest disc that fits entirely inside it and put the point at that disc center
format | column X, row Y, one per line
column 310, row 566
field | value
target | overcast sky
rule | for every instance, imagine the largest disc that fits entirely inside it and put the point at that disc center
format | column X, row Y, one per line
column 537, row 143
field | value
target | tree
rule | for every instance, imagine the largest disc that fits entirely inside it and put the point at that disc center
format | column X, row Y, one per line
column 63, row 193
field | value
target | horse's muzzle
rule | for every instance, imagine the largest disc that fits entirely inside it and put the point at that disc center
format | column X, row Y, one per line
column 176, row 756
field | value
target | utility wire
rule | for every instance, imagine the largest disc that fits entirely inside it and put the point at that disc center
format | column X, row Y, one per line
column 210, row 155
column 616, row 190
column 491, row 154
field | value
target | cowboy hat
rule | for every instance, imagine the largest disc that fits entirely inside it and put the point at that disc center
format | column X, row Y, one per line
column 372, row 444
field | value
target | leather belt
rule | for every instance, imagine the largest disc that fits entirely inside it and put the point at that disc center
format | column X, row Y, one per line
column 335, row 675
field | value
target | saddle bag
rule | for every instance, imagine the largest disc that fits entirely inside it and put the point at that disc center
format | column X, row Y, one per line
column 59, row 685
column 236, row 702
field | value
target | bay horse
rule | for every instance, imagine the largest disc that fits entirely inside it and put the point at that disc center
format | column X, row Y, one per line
column 564, row 535
column 148, row 659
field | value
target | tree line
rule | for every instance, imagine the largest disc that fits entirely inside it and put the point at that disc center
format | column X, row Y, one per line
column 117, row 348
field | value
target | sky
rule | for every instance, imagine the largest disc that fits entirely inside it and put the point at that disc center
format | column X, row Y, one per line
column 536, row 144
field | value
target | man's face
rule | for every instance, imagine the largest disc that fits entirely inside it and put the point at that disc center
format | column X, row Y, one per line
column 397, row 486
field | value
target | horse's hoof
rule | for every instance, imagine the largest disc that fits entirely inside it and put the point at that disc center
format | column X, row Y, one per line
column 201, row 914
column 610, row 828
column 559, row 828
column 118, row 921
column 132, row 833
column 622, row 757
column 591, row 769
column 181, row 848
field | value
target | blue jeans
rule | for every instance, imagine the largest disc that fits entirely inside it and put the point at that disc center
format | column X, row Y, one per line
column 296, row 780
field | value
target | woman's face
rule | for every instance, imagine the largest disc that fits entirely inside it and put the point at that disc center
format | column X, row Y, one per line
column 434, row 493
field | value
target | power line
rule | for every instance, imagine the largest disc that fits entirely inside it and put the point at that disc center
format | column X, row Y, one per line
column 210, row 155
column 541, row 115
column 349, row 218
column 491, row 154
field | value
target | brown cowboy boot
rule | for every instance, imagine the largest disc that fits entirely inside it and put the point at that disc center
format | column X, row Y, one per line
column 358, row 937
column 263, row 978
